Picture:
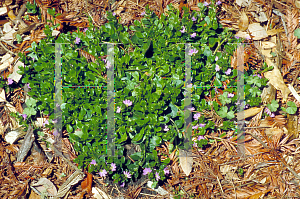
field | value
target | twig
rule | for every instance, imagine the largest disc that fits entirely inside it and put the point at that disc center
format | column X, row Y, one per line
column 7, row 49
column 234, row 188
column 184, row 191
column 295, row 76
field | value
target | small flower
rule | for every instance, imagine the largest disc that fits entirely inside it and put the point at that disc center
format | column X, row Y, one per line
column 157, row 176
column 146, row 171
column 10, row 81
column 201, row 138
column 33, row 59
column 247, row 105
column 103, row 173
column 113, row 167
column 192, row 109
column 229, row 138
column 24, row 116
column 54, row 121
column 193, row 51
column 236, row 37
column 127, row 174
column 217, row 68
column 46, row 122
column 84, row 30
column 183, row 29
column 57, row 105
column 143, row 13
column 195, row 127
column 218, row 3
column 217, row 58
column 194, row 19
column 195, row 144
column 206, row 4
column 55, row 133
column 202, row 125
column 230, row 95
column 118, row 109
column 272, row 115
column 166, row 171
column 166, row 128
column 77, row 40
column 127, row 102
column 122, row 184
column 114, row 14
column 189, row 85
column 93, row 162
column 193, row 35
column 108, row 64
column 196, row 116
column 228, row 71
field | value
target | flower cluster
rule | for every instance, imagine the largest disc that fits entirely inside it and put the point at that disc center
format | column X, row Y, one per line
column 269, row 112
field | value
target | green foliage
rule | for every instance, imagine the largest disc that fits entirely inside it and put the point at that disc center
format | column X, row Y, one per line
column 291, row 109
column 273, row 106
column 151, row 77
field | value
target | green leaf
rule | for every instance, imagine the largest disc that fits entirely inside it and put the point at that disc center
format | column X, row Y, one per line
column 31, row 102
column 156, row 140
column 174, row 110
column 273, row 106
column 223, row 111
column 69, row 128
column 297, row 33
column 292, row 107
column 139, row 136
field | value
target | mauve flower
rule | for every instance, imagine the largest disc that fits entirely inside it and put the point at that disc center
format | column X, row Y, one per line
column 192, row 109
column 84, row 30
column 93, row 162
column 230, row 95
column 24, row 116
column 77, row 40
column 103, row 173
column 195, row 144
column 166, row 171
column 146, row 171
column 183, row 30
column 272, row 115
column 143, row 13
column 219, row 3
column 127, row 174
column 206, row 4
column 157, row 176
column 28, row 86
column 217, row 58
column 194, row 19
column 201, row 138
column 195, row 127
column 46, row 122
column 122, row 184
column 196, row 116
column 54, row 121
column 228, row 71
column 108, row 64
column 10, row 81
column 202, row 125
column 114, row 14
column 193, row 51
column 55, row 133
column 127, row 102
column 118, row 109
column 113, row 167
column 236, row 37
column 166, row 128
column 217, row 67
column 193, row 35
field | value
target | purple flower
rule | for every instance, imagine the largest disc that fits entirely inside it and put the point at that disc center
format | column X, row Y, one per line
column 146, row 171
column 206, row 4
column 55, row 133
column 201, row 137
column 193, row 35
column 228, row 71
column 33, row 59
column 236, row 37
column 122, row 184
column 118, row 109
column 193, row 51
column 113, row 167
column 258, row 75
column 166, row 171
column 196, row 116
column 195, row 144
column 103, row 173
column 269, row 112
column 84, row 30
column 77, row 40
column 46, row 122
column 24, row 116
column 192, row 109
column 248, row 37
column 54, row 121
column 10, row 81
column 93, row 162
column 166, row 128
column 127, row 174
column 217, row 67
column 272, row 115
column 219, row 3
column 217, row 58
column 183, row 30
column 202, row 125
column 143, row 13
column 114, row 14
column 57, row 105
column 195, row 127
column 230, row 95
column 157, row 176
column 194, row 19
column 108, row 64
column 28, row 86
column 127, row 102
column 247, row 106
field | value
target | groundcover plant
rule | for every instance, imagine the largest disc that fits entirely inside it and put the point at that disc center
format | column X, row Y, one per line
column 149, row 88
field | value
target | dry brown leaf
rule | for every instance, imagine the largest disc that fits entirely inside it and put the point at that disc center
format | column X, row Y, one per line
column 186, row 162
column 257, row 31
column 244, row 22
column 249, row 112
